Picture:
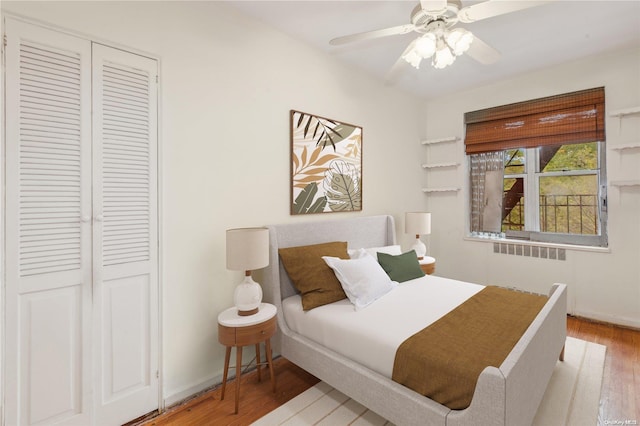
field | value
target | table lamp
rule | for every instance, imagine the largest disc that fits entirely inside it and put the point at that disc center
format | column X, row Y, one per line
column 247, row 250
column 418, row 223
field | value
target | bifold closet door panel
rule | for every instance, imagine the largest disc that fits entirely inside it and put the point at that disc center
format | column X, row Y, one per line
column 125, row 233
column 48, row 226
column 81, row 219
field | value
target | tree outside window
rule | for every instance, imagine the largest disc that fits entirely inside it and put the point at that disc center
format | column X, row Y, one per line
column 562, row 191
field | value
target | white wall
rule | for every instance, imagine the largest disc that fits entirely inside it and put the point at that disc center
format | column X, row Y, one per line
column 227, row 85
column 604, row 286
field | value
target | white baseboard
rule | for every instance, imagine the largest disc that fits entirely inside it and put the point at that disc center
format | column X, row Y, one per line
column 610, row 319
column 190, row 391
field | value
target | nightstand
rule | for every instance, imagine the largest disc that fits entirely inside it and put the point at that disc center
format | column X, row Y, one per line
column 238, row 331
column 428, row 265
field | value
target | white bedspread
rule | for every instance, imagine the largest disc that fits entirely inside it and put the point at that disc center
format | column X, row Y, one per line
column 372, row 335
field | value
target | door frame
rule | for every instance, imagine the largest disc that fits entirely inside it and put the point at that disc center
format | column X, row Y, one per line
column 159, row 170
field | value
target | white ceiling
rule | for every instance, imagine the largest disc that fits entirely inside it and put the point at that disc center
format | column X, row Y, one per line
column 530, row 39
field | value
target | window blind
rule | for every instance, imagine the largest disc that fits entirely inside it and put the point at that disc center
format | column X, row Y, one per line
column 576, row 117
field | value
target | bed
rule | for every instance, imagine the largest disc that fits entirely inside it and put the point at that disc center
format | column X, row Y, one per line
column 508, row 395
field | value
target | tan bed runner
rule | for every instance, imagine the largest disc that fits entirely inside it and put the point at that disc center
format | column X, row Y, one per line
column 444, row 360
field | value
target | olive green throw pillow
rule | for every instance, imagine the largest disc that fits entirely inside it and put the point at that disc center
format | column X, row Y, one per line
column 310, row 274
column 402, row 267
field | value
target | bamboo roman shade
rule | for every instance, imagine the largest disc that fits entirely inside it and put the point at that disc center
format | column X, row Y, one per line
column 575, row 117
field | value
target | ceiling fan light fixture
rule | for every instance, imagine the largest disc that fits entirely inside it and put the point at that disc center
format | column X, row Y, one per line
column 441, row 46
column 443, row 57
column 426, row 45
column 459, row 40
column 413, row 58
column 433, row 19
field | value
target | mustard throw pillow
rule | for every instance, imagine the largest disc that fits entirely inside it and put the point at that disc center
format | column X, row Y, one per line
column 314, row 279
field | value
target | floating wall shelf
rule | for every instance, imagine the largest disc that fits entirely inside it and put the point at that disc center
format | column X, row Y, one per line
column 626, row 111
column 451, row 189
column 626, row 146
column 620, row 183
column 437, row 165
column 441, row 140
column 430, row 166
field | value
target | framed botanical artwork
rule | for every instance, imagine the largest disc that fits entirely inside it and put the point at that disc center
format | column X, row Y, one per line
column 326, row 165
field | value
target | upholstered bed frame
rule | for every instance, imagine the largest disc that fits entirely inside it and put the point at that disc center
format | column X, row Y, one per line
column 509, row 395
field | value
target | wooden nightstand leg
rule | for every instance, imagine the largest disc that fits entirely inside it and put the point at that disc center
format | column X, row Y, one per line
column 238, row 373
column 227, row 355
column 258, row 361
column 267, row 344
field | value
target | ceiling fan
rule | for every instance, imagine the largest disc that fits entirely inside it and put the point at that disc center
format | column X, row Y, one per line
column 434, row 21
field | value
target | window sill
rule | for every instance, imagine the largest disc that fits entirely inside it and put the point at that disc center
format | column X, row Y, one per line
column 540, row 244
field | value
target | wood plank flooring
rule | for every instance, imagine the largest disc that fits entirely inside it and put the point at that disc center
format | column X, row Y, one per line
column 256, row 399
column 620, row 398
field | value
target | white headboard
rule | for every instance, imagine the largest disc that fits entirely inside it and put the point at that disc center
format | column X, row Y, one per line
column 367, row 231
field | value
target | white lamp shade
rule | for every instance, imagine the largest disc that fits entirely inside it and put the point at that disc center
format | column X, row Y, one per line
column 459, row 40
column 412, row 56
column 247, row 248
column 426, row 45
column 417, row 223
column 443, row 57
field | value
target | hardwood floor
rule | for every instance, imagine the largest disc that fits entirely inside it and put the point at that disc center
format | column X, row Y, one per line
column 256, row 399
column 620, row 398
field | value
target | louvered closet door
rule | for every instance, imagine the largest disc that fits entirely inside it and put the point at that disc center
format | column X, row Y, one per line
column 48, row 227
column 125, row 234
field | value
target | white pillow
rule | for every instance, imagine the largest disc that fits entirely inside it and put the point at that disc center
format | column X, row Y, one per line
column 373, row 251
column 363, row 279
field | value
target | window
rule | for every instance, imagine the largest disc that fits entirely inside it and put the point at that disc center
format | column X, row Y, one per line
column 538, row 169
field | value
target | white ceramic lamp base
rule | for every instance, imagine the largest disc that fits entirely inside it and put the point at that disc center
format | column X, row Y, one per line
column 420, row 248
column 247, row 296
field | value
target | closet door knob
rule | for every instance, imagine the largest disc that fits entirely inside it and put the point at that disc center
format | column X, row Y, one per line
column 99, row 218
column 85, row 218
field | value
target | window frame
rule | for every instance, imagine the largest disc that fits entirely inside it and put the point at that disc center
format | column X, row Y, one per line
column 568, row 118
column 531, row 181
column 526, row 190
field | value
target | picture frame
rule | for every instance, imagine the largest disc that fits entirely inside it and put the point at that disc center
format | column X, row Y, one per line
column 326, row 165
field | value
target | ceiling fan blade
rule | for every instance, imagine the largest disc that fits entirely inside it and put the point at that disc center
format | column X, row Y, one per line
column 482, row 52
column 433, row 6
column 491, row 8
column 392, row 74
column 401, row 29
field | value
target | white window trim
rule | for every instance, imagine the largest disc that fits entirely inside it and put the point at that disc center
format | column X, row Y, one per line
column 532, row 231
